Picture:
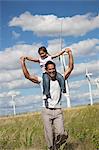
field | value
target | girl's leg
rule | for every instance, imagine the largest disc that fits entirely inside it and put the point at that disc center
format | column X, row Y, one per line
column 46, row 85
column 61, row 81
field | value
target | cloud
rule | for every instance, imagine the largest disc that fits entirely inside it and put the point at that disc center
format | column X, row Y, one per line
column 9, row 58
column 9, row 94
column 77, row 25
column 86, row 96
column 80, row 68
column 28, row 100
column 54, row 46
column 17, row 84
column 22, row 102
column 77, row 84
column 10, row 75
column 15, row 34
column 86, row 47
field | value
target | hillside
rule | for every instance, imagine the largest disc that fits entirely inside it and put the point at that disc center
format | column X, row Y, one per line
column 25, row 132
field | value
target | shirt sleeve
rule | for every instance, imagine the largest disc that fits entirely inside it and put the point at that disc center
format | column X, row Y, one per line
column 41, row 82
column 40, row 79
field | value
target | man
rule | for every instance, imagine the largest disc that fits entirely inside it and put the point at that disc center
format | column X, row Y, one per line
column 52, row 113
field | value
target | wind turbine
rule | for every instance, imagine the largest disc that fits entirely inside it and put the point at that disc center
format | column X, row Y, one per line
column 13, row 103
column 63, row 64
column 13, row 94
column 88, row 76
column 97, row 83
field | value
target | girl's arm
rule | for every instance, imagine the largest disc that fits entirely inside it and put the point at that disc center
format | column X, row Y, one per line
column 58, row 54
column 32, row 59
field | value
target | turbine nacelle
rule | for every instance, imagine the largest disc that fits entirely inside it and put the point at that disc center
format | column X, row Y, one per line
column 88, row 75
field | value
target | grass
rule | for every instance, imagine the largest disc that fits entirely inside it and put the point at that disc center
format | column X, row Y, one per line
column 25, row 132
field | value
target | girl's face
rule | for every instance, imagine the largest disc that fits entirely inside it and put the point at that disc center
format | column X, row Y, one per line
column 42, row 54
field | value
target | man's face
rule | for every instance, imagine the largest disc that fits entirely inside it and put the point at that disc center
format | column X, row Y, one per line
column 51, row 70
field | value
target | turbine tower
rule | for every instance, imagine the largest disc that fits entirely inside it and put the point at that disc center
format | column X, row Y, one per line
column 88, row 76
column 13, row 103
column 63, row 64
column 13, row 94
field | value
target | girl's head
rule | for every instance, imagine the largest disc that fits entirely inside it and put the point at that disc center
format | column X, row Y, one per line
column 43, row 52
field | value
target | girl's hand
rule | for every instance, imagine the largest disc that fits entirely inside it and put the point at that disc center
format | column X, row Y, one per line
column 22, row 58
column 67, row 50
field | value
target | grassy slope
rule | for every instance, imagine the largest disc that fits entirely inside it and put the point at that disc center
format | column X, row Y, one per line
column 26, row 131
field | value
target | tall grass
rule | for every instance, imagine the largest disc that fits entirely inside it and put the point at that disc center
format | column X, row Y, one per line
column 25, row 132
column 83, row 126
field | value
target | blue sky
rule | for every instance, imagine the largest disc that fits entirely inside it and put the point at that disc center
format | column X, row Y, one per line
column 27, row 25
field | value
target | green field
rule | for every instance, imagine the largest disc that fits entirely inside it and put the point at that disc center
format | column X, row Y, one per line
column 25, row 132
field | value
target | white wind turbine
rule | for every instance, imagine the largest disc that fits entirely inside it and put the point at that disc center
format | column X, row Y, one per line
column 13, row 103
column 97, row 83
column 88, row 76
column 13, row 94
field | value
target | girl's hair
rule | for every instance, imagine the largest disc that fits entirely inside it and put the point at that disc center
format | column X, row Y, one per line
column 43, row 49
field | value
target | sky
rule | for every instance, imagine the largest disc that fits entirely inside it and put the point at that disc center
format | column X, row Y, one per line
column 25, row 25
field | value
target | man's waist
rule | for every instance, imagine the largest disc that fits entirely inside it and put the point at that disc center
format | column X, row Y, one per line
column 51, row 105
column 52, row 108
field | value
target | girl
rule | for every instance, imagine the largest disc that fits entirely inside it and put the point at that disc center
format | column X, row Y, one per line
column 44, row 57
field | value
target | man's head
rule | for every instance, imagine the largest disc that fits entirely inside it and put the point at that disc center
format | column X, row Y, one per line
column 51, row 69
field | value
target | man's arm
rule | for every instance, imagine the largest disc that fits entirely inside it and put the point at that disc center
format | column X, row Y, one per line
column 70, row 64
column 32, row 78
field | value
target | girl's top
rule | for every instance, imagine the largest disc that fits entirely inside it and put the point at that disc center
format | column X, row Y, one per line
column 43, row 62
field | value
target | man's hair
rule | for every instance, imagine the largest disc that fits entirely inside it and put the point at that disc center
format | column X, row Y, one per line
column 48, row 63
